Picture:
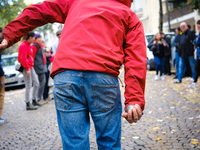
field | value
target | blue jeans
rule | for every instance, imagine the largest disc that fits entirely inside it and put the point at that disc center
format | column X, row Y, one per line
column 159, row 64
column 182, row 66
column 78, row 93
column 177, row 63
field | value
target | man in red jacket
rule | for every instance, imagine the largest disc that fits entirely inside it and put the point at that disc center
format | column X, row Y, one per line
column 98, row 37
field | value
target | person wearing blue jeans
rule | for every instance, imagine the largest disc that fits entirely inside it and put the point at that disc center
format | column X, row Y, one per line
column 159, row 64
column 76, row 94
column 176, row 44
column 186, row 51
column 182, row 66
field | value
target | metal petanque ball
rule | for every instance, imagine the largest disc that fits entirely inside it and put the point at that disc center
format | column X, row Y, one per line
column 129, row 107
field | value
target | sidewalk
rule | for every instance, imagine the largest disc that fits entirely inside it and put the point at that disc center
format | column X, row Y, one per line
column 171, row 120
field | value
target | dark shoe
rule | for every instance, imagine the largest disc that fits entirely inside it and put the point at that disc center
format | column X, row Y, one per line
column 36, row 103
column 175, row 77
column 29, row 106
column 177, row 81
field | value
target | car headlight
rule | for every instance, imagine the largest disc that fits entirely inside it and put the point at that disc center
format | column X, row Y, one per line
column 20, row 75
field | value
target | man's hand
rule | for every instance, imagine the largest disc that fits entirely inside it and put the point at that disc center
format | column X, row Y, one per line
column 3, row 45
column 133, row 115
column 164, row 45
column 28, row 73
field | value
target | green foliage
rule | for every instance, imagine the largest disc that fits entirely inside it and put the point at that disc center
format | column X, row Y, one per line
column 196, row 5
column 44, row 28
column 9, row 10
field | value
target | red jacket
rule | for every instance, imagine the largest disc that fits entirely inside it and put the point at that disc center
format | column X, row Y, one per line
column 99, row 35
column 34, row 48
column 25, row 57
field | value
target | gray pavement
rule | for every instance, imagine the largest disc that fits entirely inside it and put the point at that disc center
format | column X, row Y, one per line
column 171, row 120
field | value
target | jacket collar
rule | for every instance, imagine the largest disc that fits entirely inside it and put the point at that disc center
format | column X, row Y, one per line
column 126, row 2
column 37, row 43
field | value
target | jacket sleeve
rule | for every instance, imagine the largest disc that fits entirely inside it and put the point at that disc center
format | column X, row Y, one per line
column 150, row 43
column 23, row 57
column 34, row 48
column 35, row 16
column 135, row 64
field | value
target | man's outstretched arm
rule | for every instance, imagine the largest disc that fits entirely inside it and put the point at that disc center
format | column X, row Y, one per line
column 135, row 69
column 35, row 16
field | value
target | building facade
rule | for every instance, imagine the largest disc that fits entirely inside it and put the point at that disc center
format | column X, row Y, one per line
column 179, row 11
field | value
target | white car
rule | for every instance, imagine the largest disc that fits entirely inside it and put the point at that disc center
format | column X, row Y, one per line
column 13, row 77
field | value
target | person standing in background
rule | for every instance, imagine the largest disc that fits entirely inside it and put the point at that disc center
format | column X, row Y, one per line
column 167, row 66
column 197, row 67
column 25, row 58
column 159, row 45
column 176, row 44
column 55, row 45
column 39, row 66
column 47, row 74
column 186, row 51
column 2, row 91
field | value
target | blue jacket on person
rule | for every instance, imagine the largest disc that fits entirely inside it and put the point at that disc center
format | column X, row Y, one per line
column 197, row 44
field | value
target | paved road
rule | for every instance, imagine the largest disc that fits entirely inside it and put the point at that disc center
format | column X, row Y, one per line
column 171, row 120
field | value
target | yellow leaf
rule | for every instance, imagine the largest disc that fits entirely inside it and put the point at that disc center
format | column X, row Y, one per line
column 122, row 138
column 164, row 101
column 174, row 118
column 159, row 139
column 91, row 129
column 136, row 130
column 164, row 132
column 156, row 128
column 150, row 120
column 11, row 134
column 178, row 104
column 56, row 125
column 173, row 130
column 198, row 131
column 4, row 10
column 12, row 121
column 194, row 143
column 164, row 94
column 38, row 113
column 172, row 102
column 124, row 119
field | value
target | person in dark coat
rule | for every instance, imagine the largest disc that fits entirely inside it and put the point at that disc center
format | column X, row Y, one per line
column 167, row 67
column 186, row 51
column 176, row 44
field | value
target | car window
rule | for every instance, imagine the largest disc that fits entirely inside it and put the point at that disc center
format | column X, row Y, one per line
column 9, row 61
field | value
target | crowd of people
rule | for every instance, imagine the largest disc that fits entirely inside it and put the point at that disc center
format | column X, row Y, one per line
column 35, row 59
column 185, row 43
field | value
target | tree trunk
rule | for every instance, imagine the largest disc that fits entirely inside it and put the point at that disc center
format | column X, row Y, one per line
column 161, row 17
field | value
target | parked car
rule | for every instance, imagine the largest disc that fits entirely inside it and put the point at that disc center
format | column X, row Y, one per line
column 150, row 58
column 13, row 77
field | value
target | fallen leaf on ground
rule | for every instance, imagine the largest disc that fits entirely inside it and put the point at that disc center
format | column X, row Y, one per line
column 122, row 138
column 156, row 128
column 172, row 102
column 159, row 139
column 56, row 125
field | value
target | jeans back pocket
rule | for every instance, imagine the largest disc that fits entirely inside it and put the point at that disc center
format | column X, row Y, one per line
column 64, row 97
column 105, row 96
